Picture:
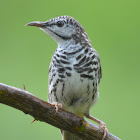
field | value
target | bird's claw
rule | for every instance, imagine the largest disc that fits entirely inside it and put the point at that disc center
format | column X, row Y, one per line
column 57, row 105
column 103, row 126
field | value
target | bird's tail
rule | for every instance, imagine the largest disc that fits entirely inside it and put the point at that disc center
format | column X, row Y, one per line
column 68, row 136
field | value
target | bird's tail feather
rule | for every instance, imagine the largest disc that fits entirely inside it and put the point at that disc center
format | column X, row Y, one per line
column 68, row 136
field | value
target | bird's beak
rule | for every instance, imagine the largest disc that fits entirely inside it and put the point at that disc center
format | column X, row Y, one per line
column 37, row 24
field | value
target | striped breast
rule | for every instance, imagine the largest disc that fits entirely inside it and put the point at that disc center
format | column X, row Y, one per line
column 74, row 76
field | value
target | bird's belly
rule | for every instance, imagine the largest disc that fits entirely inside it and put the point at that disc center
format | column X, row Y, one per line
column 76, row 94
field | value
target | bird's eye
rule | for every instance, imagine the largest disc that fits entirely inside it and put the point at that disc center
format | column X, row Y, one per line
column 60, row 23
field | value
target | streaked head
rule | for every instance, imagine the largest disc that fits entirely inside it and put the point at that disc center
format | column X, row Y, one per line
column 62, row 29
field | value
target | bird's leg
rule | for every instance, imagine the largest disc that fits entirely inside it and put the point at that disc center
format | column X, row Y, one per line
column 56, row 105
column 102, row 125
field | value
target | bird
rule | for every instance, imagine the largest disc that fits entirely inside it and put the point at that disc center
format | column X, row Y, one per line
column 75, row 70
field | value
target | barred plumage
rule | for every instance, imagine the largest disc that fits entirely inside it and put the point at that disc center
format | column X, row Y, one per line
column 75, row 68
column 82, row 67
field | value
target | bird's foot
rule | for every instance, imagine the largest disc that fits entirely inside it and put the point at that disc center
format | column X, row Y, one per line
column 57, row 105
column 102, row 125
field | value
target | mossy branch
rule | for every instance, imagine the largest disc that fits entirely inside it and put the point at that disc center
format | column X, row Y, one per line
column 43, row 111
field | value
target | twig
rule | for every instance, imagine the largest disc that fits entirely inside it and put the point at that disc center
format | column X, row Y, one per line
column 43, row 111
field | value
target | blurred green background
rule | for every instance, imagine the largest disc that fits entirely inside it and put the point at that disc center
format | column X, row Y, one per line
column 25, row 53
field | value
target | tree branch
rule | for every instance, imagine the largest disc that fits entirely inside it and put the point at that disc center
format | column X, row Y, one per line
column 43, row 111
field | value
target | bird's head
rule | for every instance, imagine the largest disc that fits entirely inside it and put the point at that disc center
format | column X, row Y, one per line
column 62, row 29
